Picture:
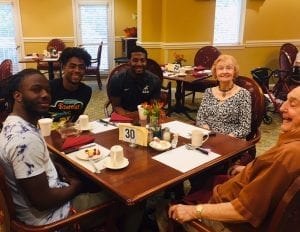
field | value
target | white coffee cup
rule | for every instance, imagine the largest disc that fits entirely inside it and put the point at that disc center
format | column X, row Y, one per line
column 116, row 155
column 83, row 122
column 182, row 70
column 45, row 126
column 141, row 111
column 198, row 138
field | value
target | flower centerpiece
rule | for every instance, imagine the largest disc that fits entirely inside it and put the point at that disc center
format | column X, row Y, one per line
column 179, row 58
column 154, row 111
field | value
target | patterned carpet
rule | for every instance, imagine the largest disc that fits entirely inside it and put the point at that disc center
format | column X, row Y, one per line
column 269, row 133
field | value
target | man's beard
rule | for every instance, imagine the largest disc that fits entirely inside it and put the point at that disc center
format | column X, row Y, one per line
column 30, row 107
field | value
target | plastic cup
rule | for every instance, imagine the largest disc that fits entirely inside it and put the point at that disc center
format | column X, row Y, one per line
column 45, row 126
column 141, row 111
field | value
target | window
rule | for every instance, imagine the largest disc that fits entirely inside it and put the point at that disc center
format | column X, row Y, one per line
column 93, row 23
column 8, row 40
column 229, row 22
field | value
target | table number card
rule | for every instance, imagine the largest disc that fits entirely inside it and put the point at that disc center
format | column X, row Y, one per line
column 173, row 67
column 133, row 134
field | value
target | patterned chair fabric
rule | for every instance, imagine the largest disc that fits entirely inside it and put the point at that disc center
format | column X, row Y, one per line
column 291, row 52
column 94, row 69
column 5, row 73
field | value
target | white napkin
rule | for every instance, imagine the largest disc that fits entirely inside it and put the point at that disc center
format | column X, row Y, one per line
column 183, row 129
column 183, row 159
column 98, row 127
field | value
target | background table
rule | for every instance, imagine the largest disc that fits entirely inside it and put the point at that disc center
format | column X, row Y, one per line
column 36, row 60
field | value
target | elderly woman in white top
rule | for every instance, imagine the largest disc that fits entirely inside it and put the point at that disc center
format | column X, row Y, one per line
column 226, row 108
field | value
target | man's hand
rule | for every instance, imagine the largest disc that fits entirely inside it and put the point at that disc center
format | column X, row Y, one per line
column 182, row 213
column 235, row 169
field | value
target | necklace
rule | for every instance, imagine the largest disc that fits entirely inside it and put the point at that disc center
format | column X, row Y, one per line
column 226, row 90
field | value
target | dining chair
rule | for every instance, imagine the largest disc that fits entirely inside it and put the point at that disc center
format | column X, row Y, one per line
column 204, row 57
column 10, row 222
column 58, row 45
column 291, row 51
column 5, row 73
column 94, row 69
column 285, row 217
column 152, row 66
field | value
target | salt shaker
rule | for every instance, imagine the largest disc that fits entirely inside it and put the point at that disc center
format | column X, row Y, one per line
column 150, row 134
column 166, row 134
column 174, row 140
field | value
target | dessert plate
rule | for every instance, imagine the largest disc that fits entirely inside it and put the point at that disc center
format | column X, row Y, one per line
column 107, row 162
column 160, row 146
column 84, row 156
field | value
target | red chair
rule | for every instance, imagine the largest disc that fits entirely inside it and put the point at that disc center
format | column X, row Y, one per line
column 58, row 45
column 291, row 52
column 5, row 73
column 94, row 69
column 205, row 57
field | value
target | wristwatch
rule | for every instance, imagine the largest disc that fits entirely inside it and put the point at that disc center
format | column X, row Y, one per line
column 199, row 210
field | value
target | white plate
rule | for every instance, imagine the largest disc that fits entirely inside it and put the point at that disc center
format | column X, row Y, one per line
column 83, row 156
column 107, row 162
column 181, row 74
column 160, row 146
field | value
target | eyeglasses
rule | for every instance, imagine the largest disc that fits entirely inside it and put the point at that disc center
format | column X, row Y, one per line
column 227, row 67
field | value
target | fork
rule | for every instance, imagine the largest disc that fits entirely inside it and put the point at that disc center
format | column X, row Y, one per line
column 202, row 150
column 93, row 162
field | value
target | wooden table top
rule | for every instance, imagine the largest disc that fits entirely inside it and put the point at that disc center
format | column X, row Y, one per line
column 145, row 176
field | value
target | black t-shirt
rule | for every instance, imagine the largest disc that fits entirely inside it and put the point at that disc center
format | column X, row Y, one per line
column 134, row 91
column 68, row 105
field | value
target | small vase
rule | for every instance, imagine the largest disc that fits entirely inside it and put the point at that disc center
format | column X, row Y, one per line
column 154, row 121
column 155, row 126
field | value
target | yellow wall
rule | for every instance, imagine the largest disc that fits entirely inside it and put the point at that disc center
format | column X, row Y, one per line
column 54, row 18
column 268, row 24
column 46, row 18
column 181, row 26
column 123, row 15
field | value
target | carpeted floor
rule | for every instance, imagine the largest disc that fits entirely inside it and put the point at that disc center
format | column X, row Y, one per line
column 95, row 110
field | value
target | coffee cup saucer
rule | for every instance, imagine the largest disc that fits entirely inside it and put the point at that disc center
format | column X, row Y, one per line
column 107, row 162
column 88, row 128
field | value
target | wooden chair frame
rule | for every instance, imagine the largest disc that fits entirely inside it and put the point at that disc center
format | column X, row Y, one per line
column 10, row 222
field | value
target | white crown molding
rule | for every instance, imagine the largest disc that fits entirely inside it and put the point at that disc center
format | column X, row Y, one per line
column 185, row 45
column 270, row 43
column 46, row 39
column 193, row 45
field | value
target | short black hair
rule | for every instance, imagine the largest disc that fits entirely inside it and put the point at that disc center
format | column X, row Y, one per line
column 80, row 53
column 137, row 49
column 16, row 80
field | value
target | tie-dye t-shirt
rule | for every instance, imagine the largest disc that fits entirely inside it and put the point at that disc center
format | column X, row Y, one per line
column 24, row 154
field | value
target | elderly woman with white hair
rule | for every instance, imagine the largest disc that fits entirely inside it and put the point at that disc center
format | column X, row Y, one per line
column 226, row 108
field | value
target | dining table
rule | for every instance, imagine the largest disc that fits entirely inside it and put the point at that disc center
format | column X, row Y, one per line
column 49, row 60
column 145, row 175
column 179, row 93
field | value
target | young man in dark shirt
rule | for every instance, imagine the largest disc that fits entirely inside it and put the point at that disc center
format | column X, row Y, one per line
column 69, row 95
column 134, row 86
